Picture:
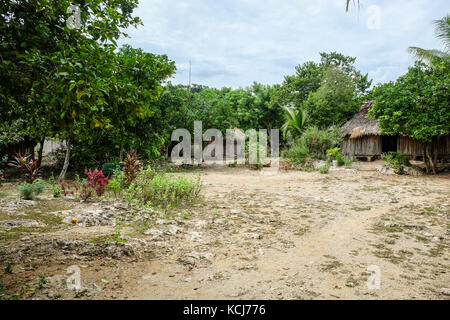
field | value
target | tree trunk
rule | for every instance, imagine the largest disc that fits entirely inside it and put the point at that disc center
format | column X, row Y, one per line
column 66, row 160
column 430, row 158
column 121, row 153
column 425, row 159
column 41, row 150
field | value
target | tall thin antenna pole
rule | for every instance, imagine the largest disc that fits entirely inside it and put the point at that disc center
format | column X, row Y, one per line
column 190, row 74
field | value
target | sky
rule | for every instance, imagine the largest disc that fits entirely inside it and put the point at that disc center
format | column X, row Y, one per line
column 233, row 43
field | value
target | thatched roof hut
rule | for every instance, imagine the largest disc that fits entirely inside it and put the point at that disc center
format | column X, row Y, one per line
column 359, row 125
column 363, row 139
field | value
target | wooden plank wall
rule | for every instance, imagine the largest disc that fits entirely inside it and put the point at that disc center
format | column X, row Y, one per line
column 363, row 146
column 414, row 148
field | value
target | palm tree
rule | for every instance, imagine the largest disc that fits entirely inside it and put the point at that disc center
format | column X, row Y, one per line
column 348, row 2
column 295, row 122
column 442, row 29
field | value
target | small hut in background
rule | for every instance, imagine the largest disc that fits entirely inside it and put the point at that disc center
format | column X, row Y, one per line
column 362, row 139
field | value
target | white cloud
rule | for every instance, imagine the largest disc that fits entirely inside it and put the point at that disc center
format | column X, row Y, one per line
column 236, row 42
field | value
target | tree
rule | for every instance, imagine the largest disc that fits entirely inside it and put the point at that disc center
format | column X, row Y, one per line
column 334, row 102
column 74, row 77
column 309, row 77
column 417, row 106
column 434, row 56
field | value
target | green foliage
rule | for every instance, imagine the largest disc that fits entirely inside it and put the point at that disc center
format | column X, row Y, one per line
column 109, row 168
column 318, row 141
column 29, row 191
column 162, row 190
column 333, row 153
column 56, row 188
column 348, row 161
column 416, row 105
column 295, row 122
column 115, row 186
column 398, row 160
column 297, row 154
column 324, row 169
column 335, row 101
column 313, row 144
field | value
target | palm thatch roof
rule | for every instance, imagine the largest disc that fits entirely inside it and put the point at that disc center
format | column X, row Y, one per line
column 359, row 125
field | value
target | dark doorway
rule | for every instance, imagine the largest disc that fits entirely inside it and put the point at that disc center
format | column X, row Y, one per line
column 389, row 143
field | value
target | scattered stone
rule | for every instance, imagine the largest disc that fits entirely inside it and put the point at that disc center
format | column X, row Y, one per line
column 252, row 235
column 26, row 223
column 445, row 291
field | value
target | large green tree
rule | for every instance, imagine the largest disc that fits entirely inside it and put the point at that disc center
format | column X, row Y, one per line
column 335, row 101
column 417, row 106
column 66, row 81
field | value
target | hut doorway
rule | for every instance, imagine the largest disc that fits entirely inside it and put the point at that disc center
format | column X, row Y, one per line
column 388, row 143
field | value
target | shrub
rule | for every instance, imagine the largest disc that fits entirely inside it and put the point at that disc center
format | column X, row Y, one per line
column 340, row 159
column 348, row 160
column 109, row 168
column 66, row 188
column 27, row 166
column 56, row 188
column 324, row 169
column 297, row 154
column 318, row 141
column 2, row 179
column 131, row 165
column 398, row 160
column 96, row 182
column 162, row 190
column 26, row 191
column 29, row 191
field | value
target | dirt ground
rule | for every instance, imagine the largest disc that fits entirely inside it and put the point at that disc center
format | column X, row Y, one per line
column 294, row 235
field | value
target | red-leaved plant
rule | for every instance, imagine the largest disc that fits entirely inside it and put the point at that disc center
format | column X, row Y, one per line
column 131, row 165
column 28, row 167
column 66, row 188
column 96, row 181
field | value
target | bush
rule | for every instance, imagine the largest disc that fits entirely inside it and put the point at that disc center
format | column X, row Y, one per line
column 398, row 160
column 324, row 169
column 318, row 141
column 96, row 182
column 29, row 191
column 296, row 154
column 162, row 190
column 109, row 168
column 348, row 160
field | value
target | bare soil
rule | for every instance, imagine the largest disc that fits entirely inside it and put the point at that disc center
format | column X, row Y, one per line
column 295, row 235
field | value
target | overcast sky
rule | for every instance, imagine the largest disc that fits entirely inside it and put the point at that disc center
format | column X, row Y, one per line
column 235, row 42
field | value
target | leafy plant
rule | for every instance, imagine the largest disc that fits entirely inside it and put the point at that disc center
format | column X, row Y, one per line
column 332, row 153
column 2, row 179
column 66, row 188
column 96, row 182
column 297, row 154
column 398, row 160
column 131, row 165
column 109, row 168
column 295, row 122
column 27, row 166
column 348, row 161
column 56, row 188
column 324, row 169
column 29, row 191
column 162, row 191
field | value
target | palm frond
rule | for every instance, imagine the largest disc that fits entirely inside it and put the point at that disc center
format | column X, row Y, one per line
column 443, row 30
column 430, row 56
